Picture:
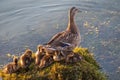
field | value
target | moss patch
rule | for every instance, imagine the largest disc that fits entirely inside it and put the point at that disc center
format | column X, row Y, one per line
column 87, row 69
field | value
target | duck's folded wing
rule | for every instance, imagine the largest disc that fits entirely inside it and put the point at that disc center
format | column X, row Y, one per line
column 55, row 37
column 64, row 44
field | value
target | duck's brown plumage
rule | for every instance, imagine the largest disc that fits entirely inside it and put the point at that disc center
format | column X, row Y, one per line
column 71, row 35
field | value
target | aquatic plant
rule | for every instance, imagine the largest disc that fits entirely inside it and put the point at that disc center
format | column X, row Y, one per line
column 86, row 69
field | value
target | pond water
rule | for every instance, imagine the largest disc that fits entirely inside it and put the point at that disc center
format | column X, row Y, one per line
column 27, row 23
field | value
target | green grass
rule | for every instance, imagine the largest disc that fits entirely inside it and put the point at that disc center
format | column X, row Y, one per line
column 87, row 69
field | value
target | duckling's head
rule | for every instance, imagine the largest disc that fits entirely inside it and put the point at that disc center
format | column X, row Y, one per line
column 40, row 48
column 28, row 52
column 74, row 10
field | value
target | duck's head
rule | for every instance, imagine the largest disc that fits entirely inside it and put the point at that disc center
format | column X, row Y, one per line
column 73, row 11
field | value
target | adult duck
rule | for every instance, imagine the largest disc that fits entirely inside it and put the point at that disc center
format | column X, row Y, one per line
column 70, row 36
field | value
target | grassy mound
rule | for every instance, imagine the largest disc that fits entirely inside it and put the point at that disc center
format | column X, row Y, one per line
column 87, row 69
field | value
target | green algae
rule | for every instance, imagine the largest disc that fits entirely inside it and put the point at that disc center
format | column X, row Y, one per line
column 86, row 69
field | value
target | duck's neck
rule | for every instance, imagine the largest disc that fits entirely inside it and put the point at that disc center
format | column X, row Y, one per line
column 71, row 24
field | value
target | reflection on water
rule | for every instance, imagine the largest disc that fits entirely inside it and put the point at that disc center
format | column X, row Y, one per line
column 27, row 23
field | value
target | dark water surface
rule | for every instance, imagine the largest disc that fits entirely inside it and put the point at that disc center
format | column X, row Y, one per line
column 27, row 23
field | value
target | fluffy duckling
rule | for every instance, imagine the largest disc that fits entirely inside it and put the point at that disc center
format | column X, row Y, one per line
column 47, row 57
column 26, row 58
column 43, row 54
column 73, row 57
column 46, row 61
column 71, row 35
column 39, row 54
column 59, row 55
column 11, row 67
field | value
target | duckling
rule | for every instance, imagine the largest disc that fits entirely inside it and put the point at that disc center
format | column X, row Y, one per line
column 56, row 53
column 47, row 58
column 67, row 56
column 26, row 58
column 73, row 57
column 39, row 54
column 11, row 67
column 46, row 61
column 71, row 35
column 59, row 55
column 63, row 55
